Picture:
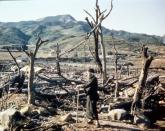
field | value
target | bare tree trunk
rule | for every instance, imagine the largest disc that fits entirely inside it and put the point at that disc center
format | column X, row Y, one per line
column 97, row 58
column 32, row 56
column 30, row 81
column 142, row 79
column 96, row 42
column 116, row 63
column 116, row 76
column 104, row 73
column 58, row 60
column 99, row 17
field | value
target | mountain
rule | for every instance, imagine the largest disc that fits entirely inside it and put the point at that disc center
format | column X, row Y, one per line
column 59, row 28
column 12, row 35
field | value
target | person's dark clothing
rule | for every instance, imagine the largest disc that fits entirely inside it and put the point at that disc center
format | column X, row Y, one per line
column 91, row 111
column 91, row 88
column 92, row 98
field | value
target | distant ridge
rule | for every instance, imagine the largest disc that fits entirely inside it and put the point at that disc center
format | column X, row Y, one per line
column 58, row 28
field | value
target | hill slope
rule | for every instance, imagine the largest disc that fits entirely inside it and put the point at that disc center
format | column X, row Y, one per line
column 59, row 28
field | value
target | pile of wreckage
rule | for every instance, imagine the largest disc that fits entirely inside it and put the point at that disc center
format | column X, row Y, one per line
column 56, row 94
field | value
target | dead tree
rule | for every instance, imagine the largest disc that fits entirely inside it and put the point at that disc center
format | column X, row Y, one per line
column 87, row 36
column 14, row 60
column 98, row 36
column 116, row 64
column 32, row 56
column 96, row 42
column 142, row 79
column 58, row 60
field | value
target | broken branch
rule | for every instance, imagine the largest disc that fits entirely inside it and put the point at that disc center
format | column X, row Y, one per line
column 14, row 60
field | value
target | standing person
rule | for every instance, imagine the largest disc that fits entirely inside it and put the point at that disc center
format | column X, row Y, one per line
column 91, row 89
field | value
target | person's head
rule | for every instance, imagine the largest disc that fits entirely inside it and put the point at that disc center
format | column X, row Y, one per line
column 90, row 72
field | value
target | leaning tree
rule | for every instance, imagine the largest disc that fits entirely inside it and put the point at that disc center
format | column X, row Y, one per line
column 146, row 59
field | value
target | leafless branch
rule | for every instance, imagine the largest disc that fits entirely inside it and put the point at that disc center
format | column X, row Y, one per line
column 98, row 8
column 27, row 53
column 96, row 3
column 103, row 11
column 90, row 23
column 90, row 16
column 110, row 10
column 69, row 50
column 14, row 60
column 99, row 23
column 90, row 49
column 38, row 44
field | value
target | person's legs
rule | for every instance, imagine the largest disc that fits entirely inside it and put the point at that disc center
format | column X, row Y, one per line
column 95, row 112
column 89, row 110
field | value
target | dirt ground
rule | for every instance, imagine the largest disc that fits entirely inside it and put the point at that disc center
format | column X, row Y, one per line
column 20, row 100
column 6, row 55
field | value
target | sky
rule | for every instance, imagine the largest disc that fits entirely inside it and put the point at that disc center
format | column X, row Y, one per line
column 139, row 16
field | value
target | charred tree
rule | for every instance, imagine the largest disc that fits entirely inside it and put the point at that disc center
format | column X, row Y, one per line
column 96, row 44
column 32, row 56
column 58, row 60
column 142, row 79
column 116, row 71
column 98, row 37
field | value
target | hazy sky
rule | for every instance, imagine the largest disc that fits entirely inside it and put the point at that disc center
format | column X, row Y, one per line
column 141, row 16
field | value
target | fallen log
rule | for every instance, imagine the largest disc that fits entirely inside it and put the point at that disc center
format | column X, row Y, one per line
column 58, row 80
column 152, row 79
column 127, row 83
column 48, row 79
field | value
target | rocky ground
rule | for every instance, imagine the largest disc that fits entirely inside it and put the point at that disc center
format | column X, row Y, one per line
column 37, row 118
column 51, row 114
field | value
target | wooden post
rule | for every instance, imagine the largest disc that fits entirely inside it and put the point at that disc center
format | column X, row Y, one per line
column 77, row 104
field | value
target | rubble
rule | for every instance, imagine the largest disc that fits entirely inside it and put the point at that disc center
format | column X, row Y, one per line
column 117, row 114
column 66, row 118
column 142, row 121
column 43, row 111
column 9, row 117
column 25, row 110
column 56, row 98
